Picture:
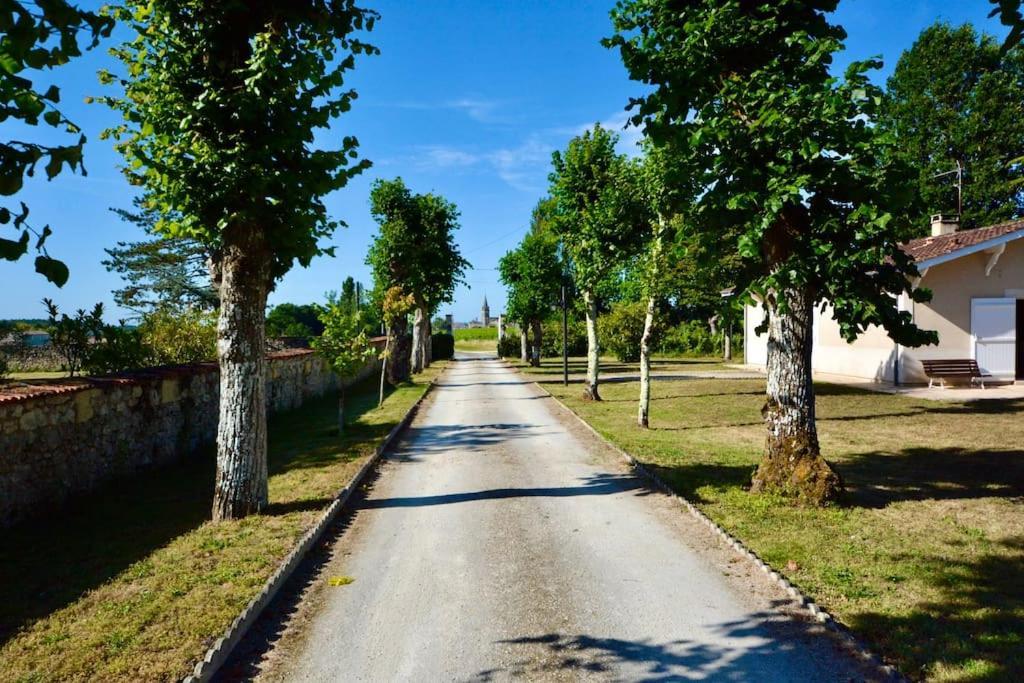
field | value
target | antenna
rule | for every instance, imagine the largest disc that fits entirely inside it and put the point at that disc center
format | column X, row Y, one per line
column 959, row 171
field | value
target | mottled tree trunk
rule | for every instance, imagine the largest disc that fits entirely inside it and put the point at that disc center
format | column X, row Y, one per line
column 400, row 356
column 419, row 339
column 524, row 344
column 792, row 465
column 241, row 481
column 535, row 328
column 643, row 412
column 593, row 349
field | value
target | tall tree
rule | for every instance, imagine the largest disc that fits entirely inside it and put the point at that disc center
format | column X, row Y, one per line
column 600, row 217
column 533, row 275
column 415, row 250
column 35, row 36
column 789, row 154
column 955, row 98
column 221, row 105
column 160, row 272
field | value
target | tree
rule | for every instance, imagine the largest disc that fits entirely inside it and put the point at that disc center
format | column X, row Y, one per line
column 35, row 36
column 71, row 336
column 600, row 217
column 416, row 251
column 221, row 106
column 296, row 320
column 343, row 344
column 788, row 154
column 395, row 306
column 162, row 272
column 954, row 98
column 533, row 275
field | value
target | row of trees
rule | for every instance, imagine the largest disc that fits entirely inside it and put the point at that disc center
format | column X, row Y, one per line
column 764, row 171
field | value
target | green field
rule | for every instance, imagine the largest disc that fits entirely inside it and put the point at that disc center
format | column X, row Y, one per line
column 476, row 333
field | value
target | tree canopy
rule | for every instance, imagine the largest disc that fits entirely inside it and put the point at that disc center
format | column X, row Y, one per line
column 955, row 97
column 160, row 272
column 415, row 247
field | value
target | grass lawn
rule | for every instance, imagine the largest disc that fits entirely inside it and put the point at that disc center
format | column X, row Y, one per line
column 133, row 583
column 42, row 374
column 924, row 558
column 609, row 365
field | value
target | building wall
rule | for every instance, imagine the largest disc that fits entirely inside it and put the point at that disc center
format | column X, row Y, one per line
column 62, row 440
column 873, row 355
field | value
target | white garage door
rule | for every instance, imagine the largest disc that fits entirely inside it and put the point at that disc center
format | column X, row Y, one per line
column 994, row 328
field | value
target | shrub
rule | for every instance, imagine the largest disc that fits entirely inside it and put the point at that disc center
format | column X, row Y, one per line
column 509, row 347
column 551, row 338
column 177, row 338
column 442, row 346
column 623, row 328
column 72, row 335
column 694, row 338
column 117, row 348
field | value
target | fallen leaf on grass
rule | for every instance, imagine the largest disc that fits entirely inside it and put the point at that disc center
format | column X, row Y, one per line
column 339, row 580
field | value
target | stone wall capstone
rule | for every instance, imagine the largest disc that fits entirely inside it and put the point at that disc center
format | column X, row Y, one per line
column 58, row 441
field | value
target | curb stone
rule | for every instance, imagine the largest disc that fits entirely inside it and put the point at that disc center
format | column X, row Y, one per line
column 846, row 637
column 222, row 649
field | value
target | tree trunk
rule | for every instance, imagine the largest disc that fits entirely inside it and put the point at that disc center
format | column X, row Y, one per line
column 384, row 369
column 792, row 465
column 419, row 343
column 727, row 350
column 341, row 408
column 524, row 346
column 241, row 481
column 535, row 346
column 645, row 366
column 593, row 349
column 428, row 351
column 398, row 363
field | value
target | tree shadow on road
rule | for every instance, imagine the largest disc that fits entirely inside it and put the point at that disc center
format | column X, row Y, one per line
column 596, row 485
column 762, row 647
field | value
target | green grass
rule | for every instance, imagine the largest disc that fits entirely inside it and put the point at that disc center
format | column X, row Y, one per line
column 659, row 364
column 133, row 583
column 476, row 333
column 925, row 556
column 40, row 374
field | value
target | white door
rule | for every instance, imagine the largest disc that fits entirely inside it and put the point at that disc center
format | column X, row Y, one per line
column 994, row 329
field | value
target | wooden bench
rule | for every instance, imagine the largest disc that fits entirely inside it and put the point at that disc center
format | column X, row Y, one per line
column 954, row 369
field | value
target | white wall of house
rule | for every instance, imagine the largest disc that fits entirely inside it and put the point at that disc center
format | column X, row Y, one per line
column 973, row 313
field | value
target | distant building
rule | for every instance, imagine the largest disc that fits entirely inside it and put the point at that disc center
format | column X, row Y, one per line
column 485, row 313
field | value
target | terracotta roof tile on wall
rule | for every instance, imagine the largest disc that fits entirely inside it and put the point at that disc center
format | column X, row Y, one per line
column 925, row 248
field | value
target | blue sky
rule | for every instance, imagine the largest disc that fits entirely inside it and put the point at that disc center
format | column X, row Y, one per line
column 468, row 99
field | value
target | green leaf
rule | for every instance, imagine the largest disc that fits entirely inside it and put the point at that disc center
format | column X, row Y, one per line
column 53, row 270
column 13, row 250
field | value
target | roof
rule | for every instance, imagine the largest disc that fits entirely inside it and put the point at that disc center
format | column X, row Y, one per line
column 932, row 250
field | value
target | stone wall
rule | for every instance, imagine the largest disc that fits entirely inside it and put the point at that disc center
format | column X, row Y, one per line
column 63, row 439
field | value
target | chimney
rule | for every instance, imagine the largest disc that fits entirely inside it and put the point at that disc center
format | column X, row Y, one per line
column 944, row 224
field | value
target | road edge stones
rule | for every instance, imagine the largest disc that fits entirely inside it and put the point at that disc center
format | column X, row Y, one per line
column 223, row 647
column 838, row 630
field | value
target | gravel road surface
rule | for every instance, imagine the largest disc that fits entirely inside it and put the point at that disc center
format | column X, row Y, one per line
column 501, row 541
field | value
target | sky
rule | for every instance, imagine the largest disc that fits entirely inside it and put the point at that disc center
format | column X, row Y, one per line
column 467, row 99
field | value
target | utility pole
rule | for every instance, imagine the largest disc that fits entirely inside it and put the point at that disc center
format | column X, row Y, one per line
column 565, row 337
